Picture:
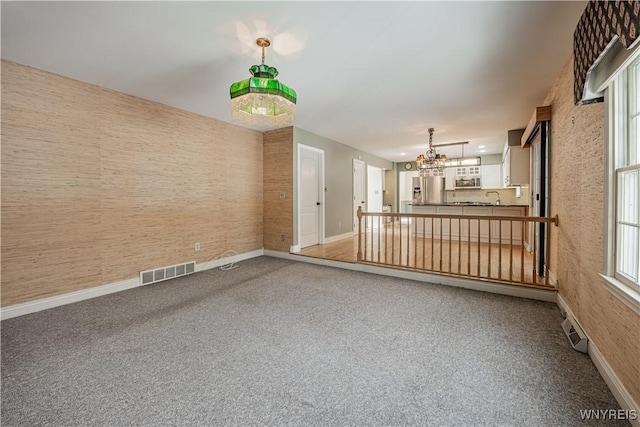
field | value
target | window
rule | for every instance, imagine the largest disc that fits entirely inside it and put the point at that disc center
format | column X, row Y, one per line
column 623, row 266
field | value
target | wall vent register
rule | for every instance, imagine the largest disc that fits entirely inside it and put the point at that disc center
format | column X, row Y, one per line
column 576, row 337
column 165, row 273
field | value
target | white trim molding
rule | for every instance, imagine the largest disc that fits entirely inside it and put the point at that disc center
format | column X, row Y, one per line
column 622, row 395
column 342, row 236
column 623, row 292
column 110, row 288
column 68, row 298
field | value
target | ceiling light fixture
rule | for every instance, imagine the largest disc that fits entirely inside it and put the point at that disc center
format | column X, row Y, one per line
column 262, row 101
column 431, row 159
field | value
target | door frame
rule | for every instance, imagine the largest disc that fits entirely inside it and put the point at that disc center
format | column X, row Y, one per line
column 354, row 204
column 538, row 230
column 301, row 147
column 372, row 171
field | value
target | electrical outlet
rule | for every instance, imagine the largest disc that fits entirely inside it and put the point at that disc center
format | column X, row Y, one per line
column 197, row 246
column 282, row 237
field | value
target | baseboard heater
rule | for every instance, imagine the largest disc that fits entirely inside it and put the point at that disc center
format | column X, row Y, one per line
column 165, row 273
column 577, row 338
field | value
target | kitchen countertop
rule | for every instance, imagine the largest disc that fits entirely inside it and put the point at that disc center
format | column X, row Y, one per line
column 465, row 204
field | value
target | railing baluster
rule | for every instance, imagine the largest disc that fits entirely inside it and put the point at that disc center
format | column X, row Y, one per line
column 415, row 242
column 379, row 238
column 469, row 247
column 546, row 253
column 440, row 269
column 459, row 246
column 500, row 249
column 510, row 250
column 400, row 244
column 450, row 220
column 522, row 224
column 533, row 267
column 386, row 235
column 478, row 267
column 433, row 229
column 372, row 238
column 489, row 265
column 408, row 243
column 424, row 244
column 393, row 240
column 359, row 215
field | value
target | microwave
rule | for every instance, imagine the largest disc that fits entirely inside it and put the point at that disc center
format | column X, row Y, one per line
column 467, row 182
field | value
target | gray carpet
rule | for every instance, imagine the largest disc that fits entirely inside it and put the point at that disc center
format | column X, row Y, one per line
column 277, row 342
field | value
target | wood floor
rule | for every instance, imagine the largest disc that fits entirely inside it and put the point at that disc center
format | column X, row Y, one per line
column 494, row 262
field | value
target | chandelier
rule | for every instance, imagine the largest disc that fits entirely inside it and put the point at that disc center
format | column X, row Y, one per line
column 431, row 159
column 262, row 101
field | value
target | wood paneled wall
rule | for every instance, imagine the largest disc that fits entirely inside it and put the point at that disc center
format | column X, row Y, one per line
column 98, row 185
column 577, row 152
column 278, row 177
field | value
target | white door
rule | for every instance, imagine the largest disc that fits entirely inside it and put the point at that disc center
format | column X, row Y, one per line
column 374, row 190
column 359, row 191
column 310, row 207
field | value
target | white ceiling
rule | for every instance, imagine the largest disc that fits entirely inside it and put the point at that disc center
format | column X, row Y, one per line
column 373, row 75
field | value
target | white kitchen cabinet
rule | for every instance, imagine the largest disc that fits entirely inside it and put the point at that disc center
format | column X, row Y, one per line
column 434, row 172
column 467, row 170
column 491, row 176
column 450, row 178
column 515, row 166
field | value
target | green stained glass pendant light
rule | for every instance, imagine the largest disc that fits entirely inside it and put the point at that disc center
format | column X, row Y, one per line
column 262, row 101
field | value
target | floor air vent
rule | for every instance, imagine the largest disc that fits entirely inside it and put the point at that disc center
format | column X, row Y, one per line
column 577, row 338
column 164, row 273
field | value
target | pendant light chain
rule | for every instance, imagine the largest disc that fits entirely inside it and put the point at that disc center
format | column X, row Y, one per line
column 264, row 44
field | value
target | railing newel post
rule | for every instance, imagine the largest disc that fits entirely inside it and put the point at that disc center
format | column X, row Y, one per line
column 359, row 214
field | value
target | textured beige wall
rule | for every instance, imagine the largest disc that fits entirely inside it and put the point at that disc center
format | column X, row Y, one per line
column 577, row 196
column 98, row 185
column 278, row 176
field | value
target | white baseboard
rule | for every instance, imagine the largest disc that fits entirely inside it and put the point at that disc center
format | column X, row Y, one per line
column 342, row 236
column 97, row 291
column 68, row 298
column 294, row 249
column 516, row 291
column 625, row 400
